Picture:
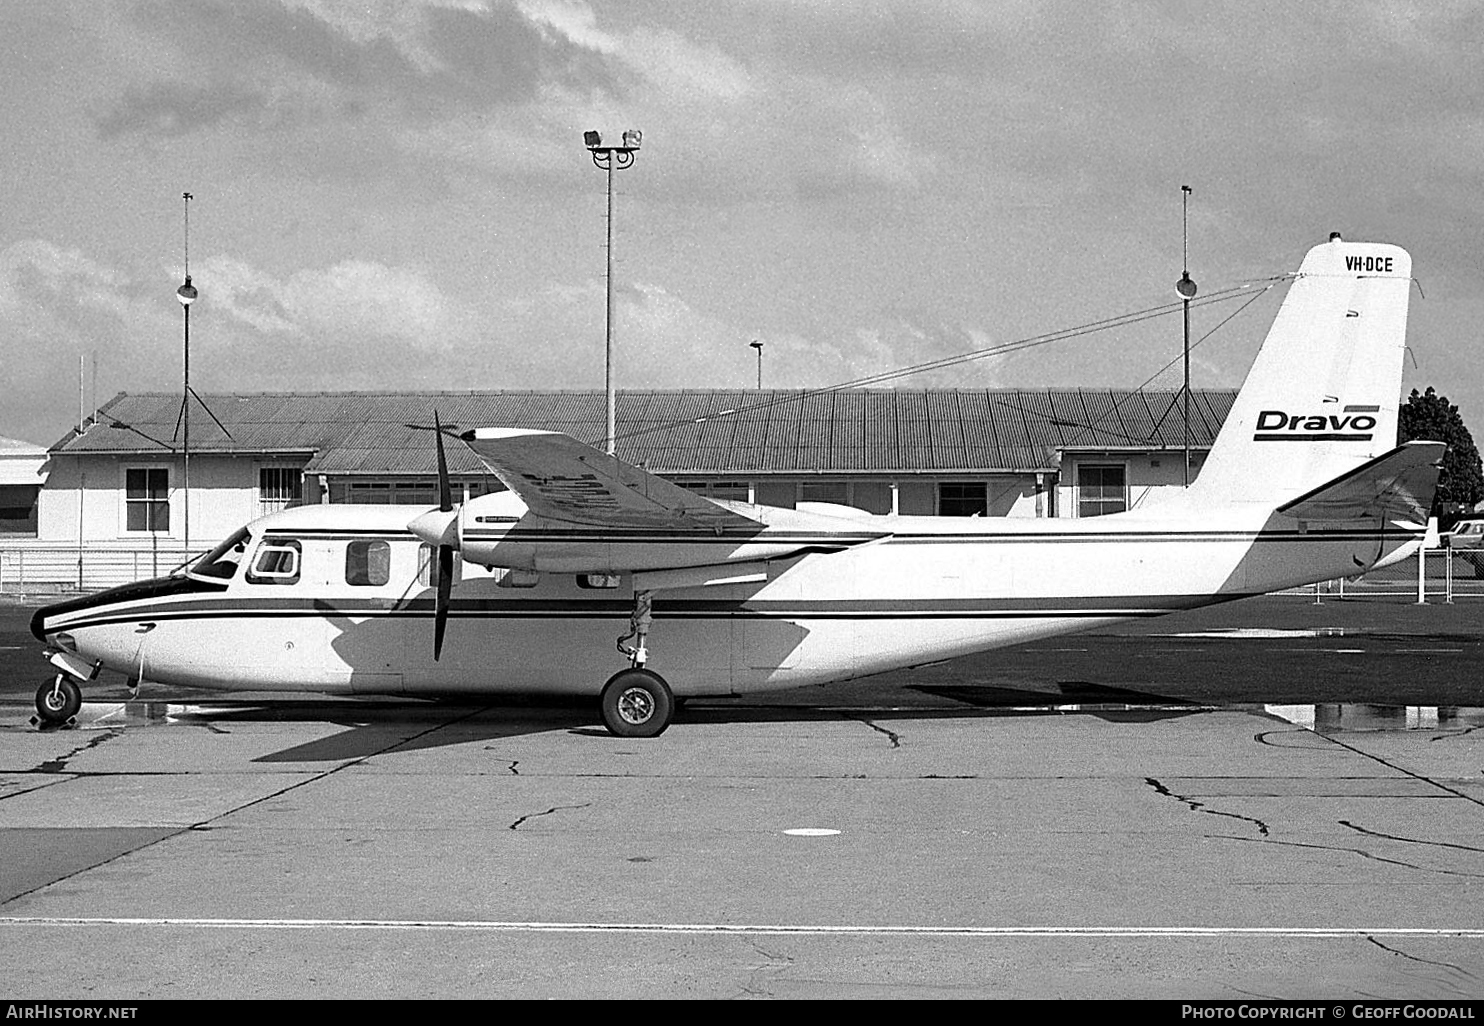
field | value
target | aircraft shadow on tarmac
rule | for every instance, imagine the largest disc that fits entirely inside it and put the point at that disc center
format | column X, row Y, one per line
column 378, row 728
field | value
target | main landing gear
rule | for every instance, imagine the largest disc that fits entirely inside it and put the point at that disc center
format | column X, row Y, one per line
column 58, row 700
column 637, row 702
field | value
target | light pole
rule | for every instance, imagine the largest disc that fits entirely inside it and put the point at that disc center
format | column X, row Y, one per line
column 1186, row 288
column 759, row 347
column 611, row 158
column 186, row 294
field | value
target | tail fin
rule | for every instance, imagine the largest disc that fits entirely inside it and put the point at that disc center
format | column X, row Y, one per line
column 1321, row 398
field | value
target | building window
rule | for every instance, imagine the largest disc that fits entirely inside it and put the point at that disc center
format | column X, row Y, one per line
column 147, row 499
column 279, row 488
column 963, row 499
column 18, row 509
column 837, row 492
column 738, row 491
column 400, row 493
column 368, row 563
column 1101, row 488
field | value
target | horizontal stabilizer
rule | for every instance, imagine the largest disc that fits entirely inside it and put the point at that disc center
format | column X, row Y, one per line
column 1396, row 486
column 560, row 478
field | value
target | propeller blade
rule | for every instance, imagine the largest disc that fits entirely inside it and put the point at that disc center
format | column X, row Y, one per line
column 445, row 492
column 440, row 608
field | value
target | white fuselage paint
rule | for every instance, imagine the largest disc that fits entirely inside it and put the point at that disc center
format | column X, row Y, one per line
column 932, row 588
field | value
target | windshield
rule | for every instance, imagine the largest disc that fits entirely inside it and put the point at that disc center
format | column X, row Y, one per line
column 221, row 562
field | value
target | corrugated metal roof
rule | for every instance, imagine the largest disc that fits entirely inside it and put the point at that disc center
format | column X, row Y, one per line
column 693, row 430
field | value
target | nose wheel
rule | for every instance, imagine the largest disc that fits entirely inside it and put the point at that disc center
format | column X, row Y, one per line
column 637, row 703
column 58, row 700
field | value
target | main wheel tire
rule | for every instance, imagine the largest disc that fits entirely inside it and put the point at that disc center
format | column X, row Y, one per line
column 637, row 703
column 58, row 699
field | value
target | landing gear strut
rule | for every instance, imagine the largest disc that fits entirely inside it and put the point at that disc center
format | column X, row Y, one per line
column 58, row 700
column 637, row 702
column 640, row 621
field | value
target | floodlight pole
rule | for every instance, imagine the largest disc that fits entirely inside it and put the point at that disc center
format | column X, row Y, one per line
column 1187, row 289
column 609, row 159
column 186, row 294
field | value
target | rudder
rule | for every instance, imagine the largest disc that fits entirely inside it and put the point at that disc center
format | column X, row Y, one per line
column 1322, row 395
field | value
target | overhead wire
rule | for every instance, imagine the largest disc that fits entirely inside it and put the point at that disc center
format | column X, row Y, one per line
column 1254, row 289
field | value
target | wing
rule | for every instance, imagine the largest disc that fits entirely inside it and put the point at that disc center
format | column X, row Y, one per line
column 560, row 478
column 1397, row 485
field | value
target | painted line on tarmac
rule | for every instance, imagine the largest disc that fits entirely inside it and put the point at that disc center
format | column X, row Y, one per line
column 776, row 929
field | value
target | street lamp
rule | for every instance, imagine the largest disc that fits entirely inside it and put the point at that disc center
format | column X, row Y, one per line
column 609, row 159
column 186, row 294
column 1186, row 289
column 759, row 347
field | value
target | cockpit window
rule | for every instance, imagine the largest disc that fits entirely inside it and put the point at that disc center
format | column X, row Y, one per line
column 275, row 562
column 222, row 562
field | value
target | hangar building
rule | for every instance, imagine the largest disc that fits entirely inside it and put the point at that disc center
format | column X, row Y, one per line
column 114, row 503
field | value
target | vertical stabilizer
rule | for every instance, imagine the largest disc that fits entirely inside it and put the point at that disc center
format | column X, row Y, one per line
column 1321, row 398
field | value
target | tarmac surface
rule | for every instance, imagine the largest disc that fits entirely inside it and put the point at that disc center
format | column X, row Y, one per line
column 1270, row 799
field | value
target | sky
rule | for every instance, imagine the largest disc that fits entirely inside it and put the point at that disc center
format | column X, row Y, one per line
column 394, row 194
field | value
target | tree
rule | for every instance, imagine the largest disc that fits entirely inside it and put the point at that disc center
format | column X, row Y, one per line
column 1432, row 417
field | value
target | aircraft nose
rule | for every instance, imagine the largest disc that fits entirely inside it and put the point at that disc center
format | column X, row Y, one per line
column 437, row 527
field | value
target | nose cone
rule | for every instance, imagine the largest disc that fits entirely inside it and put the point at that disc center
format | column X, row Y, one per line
column 437, row 527
column 38, row 624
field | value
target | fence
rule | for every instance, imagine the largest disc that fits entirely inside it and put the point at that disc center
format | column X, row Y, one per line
column 1434, row 575
column 40, row 568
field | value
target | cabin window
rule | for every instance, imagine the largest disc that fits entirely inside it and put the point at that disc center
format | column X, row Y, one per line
column 598, row 581
column 368, row 563
column 147, row 499
column 1101, row 488
column 963, row 499
column 515, row 578
column 275, row 562
column 427, row 567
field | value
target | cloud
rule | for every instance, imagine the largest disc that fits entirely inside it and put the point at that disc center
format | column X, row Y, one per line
column 358, row 299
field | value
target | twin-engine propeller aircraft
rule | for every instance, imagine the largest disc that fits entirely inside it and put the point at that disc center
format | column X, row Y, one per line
column 525, row 590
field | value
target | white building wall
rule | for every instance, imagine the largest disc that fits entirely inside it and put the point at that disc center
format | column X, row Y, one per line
column 1149, row 475
column 85, row 498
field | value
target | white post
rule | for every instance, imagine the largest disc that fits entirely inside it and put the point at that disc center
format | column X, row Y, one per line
column 1447, row 576
column 1421, row 576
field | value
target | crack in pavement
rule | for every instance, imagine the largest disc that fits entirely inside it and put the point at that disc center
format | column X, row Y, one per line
column 894, row 738
column 1356, row 851
column 206, row 824
column 1195, row 806
column 752, row 986
column 1425, row 961
column 58, row 765
column 1456, row 733
column 1409, row 840
column 548, row 812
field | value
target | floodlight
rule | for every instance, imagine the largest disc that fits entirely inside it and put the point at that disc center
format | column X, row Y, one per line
column 591, row 139
column 631, row 138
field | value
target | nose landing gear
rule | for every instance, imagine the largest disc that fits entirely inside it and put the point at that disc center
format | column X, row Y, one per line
column 58, row 700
